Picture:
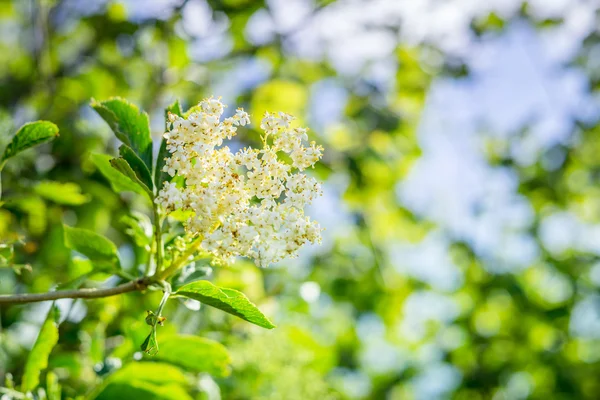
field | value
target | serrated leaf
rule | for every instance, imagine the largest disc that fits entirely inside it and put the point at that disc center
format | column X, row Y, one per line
column 29, row 135
column 160, row 177
column 66, row 193
column 144, row 380
column 97, row 248
column 137, row 165
column 38, row 357
column 228, row 300
column 195, row 354
column 121, row 165
column 130, row 125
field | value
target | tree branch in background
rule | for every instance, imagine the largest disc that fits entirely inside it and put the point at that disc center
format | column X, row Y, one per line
column 137, row 285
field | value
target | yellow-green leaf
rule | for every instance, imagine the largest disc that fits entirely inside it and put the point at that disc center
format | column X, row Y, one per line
column 144, row 380
column 228, row 300
column 195, row 354
column 96, row 247
column 66, row 193
column 38, row 357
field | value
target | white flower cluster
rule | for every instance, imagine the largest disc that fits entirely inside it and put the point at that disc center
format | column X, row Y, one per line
column 250, row 203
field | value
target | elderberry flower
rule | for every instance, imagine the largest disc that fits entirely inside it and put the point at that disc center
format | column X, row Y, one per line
column 249, row 203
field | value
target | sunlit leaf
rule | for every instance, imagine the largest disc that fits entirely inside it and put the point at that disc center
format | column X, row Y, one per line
column 130, row 125
column 29, row 135
column 92, row 245
column 144, row 380
column 61, row 192
column 196, row 354
column 53, row 388
column 228, row 300
column 38, row 357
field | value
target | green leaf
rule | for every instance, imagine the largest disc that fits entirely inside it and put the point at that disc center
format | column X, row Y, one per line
column 228, row 300
column 53, row 388
column 130, row 125
column 144, row 380
column 35, row 209
column 97, row 248
column 150, row 345
column 139, row 227
column 29, row 135
column 117, row 180
column 38, row 357
column 121, row 165
column 195, row 354
column 136, row 389
column 66, row 193
column 173, row 108
column 160, row 177
column 137, row 165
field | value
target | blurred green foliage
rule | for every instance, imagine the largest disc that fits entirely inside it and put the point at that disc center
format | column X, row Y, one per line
column 509, row 334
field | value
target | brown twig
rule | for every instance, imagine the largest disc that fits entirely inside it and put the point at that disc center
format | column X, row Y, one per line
column 132, row 286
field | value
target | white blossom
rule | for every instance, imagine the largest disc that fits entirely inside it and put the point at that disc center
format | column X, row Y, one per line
column 249, row 203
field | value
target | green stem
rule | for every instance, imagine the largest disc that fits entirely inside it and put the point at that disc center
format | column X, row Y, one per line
column 179, row 262
column 163, row 301
column 158, row 239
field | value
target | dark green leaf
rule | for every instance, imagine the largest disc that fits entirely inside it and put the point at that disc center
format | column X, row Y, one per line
column 131, row 126
column 38, row 357
column 29, row 135
column 196, row 354
column 92, row 245
column 160, row 177
column 121, row 165
column 118, row 181
column 228, row 300
column 61, row 192
column 137, row 165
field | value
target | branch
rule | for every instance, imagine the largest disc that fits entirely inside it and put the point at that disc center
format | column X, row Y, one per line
column 137, row 285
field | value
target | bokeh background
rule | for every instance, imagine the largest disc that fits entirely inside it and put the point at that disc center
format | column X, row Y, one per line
column 461, row 198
